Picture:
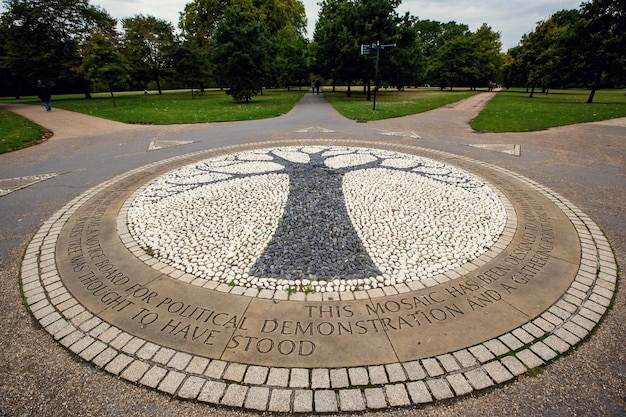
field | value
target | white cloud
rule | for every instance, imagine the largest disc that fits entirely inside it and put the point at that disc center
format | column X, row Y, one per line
column 511, row 18
column 162, row 9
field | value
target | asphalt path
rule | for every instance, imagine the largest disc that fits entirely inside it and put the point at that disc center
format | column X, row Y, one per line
column 585, row 163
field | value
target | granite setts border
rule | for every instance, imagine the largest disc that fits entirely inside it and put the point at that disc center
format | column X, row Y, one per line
column 534, row 344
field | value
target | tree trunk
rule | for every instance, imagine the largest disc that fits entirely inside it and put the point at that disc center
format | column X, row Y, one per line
column 591, row 95
column 87, row 88
column 594, row 87
column 158, row 82
column 315, row 238
column 112, row 96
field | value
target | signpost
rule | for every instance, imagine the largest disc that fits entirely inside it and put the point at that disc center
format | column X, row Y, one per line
column 369, row 50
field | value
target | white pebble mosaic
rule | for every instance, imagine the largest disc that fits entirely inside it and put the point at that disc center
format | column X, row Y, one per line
column 318, row 218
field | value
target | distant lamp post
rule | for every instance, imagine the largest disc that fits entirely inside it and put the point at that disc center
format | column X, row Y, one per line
column 369, row 50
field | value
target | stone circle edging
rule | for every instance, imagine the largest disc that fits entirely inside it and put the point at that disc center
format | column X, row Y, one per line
column 538, row 342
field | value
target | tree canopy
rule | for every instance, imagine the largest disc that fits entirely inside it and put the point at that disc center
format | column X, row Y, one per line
column 241, row 54
column 245, row 45
column 102, row 62
column 148, row 44
column 42, row 39
column 583, row 47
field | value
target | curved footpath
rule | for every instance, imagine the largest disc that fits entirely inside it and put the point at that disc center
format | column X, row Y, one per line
column 585, row 164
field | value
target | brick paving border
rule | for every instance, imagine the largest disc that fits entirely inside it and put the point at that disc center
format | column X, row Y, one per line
column 536, row 343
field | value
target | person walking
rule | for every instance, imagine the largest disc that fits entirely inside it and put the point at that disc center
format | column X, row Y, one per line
column 43, row 92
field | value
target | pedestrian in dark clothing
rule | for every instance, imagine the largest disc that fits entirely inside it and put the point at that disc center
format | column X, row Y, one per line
column 317, row 86
column 43, row 92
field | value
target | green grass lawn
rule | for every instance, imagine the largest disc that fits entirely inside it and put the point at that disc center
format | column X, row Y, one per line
column 391, row 103
column 513, row 110
column 17, row 132
column 174, row 107
column 509, row 111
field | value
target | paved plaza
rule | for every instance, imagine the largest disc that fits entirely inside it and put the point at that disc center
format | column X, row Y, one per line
column 310, row 264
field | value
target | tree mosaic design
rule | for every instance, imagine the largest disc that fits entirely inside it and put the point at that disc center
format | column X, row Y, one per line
column 314, row 236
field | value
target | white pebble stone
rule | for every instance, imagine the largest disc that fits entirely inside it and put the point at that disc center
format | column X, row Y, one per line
column 416, row 217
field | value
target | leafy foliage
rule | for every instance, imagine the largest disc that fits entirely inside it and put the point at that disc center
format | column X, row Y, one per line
column 42, row 39
column 244, row 45
column 192, row 65
column 291, row 63
column 241, row 53
column 103, row 63
column 582, row 47
column 148, row 45
column 601, row 40
column 335, row 47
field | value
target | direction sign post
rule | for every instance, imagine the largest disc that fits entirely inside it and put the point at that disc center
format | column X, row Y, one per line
column 368, row 50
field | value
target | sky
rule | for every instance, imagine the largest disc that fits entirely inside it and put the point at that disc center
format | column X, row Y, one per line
column 511, row 18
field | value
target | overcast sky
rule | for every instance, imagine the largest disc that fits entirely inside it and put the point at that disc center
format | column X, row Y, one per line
column 512, row 18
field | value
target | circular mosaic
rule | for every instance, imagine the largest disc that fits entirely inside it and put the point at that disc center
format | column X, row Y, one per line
column 386, row 275
column 316, row 217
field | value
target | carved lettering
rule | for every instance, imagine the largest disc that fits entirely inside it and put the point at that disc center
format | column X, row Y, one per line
column 267, row 345
column 189, row 332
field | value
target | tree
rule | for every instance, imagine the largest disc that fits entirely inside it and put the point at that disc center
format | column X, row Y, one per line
column 600, row 42
column 334, row 46
column 291, row 59
column 406, row 64
column 192, row 65
column 344, row 25
column 7, row 85
column 207, row 25
column 102, row 62
column 377, row 21
column 428, row 33
column 539, row 53
column 440, row 43
column 456, row 60
column 200, row 19
column 574, row 47
column 43, row 38
column 148, row 43
column 513, row 71
column 280, row 14
column 241, row 53
column 490, row 59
